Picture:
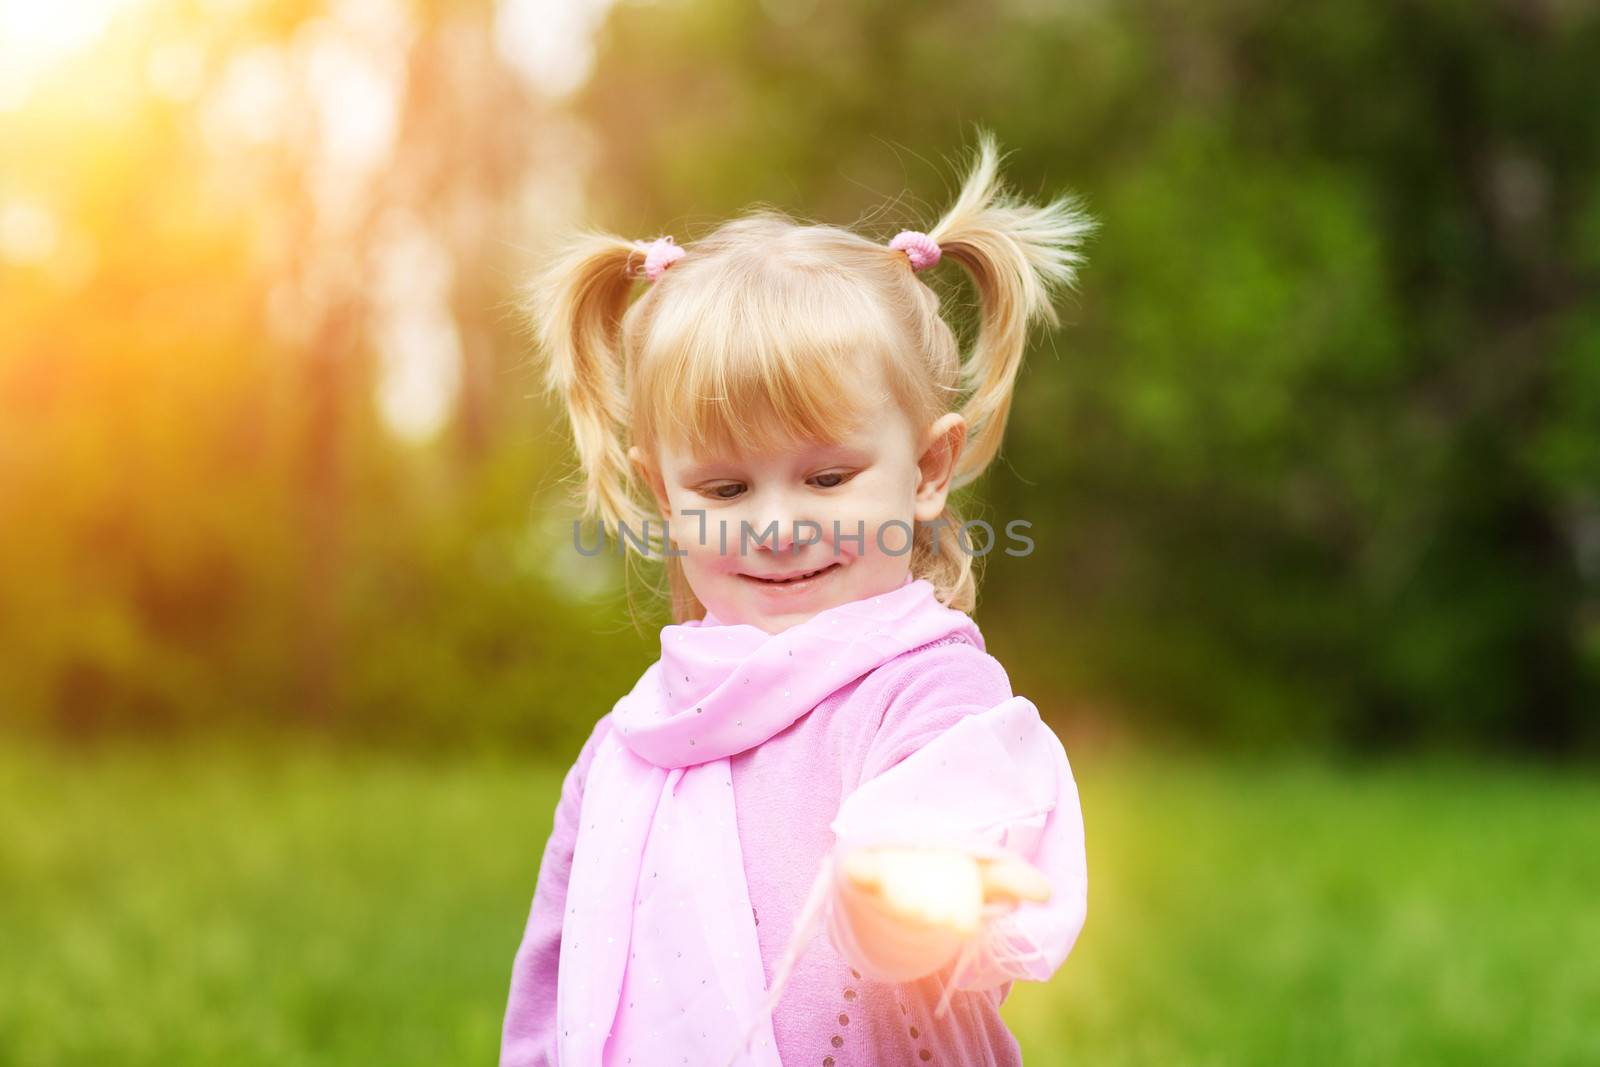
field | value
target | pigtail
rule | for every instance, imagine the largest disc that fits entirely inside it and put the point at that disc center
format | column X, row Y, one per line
column 1018, row 254
column 576, row 303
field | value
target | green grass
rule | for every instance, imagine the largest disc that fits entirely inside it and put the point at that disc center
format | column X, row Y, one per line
column 225, row 907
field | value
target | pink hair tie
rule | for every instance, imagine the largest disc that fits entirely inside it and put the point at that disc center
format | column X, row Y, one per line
column 659, row 255
column 921, row 248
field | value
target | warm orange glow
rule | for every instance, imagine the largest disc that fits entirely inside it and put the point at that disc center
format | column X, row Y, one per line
column 34, row 37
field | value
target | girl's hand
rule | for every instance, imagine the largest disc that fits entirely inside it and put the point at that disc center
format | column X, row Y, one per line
column 941, row 889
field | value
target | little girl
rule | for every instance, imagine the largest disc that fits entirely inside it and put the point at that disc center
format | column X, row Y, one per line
column 820, row 829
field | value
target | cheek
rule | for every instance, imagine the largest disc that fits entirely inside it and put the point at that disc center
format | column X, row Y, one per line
column 884, row 514
column 703, row 558
column 709, row 544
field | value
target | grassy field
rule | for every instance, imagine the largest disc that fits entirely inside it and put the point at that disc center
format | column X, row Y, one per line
column 285, row 907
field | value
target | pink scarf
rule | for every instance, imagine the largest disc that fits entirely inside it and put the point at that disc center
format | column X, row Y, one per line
column 658, row 946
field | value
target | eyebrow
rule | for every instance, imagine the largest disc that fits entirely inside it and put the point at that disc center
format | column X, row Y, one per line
column 844, row 453
column 697, row 471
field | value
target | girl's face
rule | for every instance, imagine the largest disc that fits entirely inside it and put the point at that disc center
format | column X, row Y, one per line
column 771, row 540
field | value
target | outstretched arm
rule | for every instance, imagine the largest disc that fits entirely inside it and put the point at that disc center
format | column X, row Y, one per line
column 970, row 848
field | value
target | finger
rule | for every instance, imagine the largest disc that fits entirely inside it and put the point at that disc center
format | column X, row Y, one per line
column 863, row 870
column 1014, row 879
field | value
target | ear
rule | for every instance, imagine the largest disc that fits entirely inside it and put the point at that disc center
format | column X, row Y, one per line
column 936, row 465
column 651, row 477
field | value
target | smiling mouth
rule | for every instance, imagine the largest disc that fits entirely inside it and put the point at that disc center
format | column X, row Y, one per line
column 792, row 579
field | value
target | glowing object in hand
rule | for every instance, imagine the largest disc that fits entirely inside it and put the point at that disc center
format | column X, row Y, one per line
column 943, row 887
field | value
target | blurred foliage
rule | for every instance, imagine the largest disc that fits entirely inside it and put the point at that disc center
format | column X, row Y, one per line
column 1315, row 458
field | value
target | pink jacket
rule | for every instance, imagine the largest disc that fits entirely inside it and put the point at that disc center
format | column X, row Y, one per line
column 929, row 744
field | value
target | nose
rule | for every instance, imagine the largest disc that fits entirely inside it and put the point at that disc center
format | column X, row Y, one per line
column 791, row 514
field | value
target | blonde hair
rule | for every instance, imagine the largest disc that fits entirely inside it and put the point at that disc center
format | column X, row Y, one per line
column 756, row 336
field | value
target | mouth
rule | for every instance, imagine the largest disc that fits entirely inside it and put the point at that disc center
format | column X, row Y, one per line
column 793, row 578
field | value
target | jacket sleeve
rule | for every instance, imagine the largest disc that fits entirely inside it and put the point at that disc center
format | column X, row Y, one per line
column 528, row 1034
column 959, row 762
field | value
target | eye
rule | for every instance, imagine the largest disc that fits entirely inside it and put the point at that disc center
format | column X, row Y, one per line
column 838, row 479
column 725, row 491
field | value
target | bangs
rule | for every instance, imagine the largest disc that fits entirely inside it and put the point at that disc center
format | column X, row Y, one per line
column 762, row 361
